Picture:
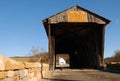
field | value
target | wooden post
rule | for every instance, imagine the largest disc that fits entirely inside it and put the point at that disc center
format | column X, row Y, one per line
column 49, row 35
column 102, row 51
column 51, row 50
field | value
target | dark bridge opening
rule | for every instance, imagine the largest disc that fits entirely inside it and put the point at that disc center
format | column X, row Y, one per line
column 78, row 33
column 82, row 41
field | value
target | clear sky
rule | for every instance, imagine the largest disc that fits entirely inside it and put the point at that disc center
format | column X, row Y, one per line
column 21, row 25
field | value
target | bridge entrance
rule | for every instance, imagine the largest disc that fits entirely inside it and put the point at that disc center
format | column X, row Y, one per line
column 78, row 33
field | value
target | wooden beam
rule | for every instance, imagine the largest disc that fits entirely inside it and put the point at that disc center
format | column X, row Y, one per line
column 102, row 51
column 51, row 50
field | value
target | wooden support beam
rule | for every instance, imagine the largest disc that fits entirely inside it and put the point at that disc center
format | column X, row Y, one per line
column 51, row 50
column 102, row 51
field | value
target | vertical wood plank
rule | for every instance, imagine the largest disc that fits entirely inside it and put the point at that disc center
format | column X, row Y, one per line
column 103, row 39
column 51, row 50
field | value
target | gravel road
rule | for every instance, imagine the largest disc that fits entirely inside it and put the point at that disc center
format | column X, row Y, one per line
column 81, row 75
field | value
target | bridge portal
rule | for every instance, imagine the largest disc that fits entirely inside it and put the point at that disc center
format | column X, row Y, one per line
column 78, row 33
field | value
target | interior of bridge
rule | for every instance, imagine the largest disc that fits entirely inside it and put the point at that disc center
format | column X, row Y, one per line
column 81, row 41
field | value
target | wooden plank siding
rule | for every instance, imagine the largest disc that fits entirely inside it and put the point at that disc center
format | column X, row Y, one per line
column 63, row 16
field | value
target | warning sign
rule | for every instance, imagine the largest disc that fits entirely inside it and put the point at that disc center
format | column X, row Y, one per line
column 77, row 16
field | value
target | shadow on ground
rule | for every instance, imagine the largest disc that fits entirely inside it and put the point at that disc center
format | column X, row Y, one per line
column 111, row 71
column 51, row 79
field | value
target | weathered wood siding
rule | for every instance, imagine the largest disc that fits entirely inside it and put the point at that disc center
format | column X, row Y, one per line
column 63, row 16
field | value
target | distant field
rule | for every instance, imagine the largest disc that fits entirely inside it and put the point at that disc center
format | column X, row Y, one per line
column 21, row 59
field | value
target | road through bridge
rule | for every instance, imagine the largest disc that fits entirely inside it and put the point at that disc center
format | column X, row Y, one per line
column 81, row 75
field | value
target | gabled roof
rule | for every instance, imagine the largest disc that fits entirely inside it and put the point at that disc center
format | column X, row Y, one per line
column 76, row 14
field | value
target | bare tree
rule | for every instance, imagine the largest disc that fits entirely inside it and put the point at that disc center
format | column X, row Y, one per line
column 37, row 55
column 116, row 57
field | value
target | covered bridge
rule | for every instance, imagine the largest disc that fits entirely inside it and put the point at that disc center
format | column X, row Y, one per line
column 78, row 33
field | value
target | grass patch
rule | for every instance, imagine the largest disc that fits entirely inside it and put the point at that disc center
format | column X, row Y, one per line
column 21, row 59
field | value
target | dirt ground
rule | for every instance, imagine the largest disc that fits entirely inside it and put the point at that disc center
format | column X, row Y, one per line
column 80, row 75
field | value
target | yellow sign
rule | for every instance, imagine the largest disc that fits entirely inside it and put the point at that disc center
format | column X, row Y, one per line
column 77, row 16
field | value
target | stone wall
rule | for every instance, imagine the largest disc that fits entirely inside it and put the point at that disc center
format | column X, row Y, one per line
column 11, row 70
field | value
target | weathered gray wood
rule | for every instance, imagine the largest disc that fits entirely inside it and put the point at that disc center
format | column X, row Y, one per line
column 51, row 50
column 102, row 51
column 63, row 16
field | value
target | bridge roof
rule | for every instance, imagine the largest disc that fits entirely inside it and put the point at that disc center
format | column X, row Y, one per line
column 75, row 14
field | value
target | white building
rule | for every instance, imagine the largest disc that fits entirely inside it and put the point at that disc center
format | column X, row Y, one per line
column 62, row 61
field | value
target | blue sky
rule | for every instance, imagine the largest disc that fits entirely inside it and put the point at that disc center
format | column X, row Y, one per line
column 21, row 25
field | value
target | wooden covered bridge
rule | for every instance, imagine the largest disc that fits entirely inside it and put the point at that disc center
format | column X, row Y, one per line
column 78, row 33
